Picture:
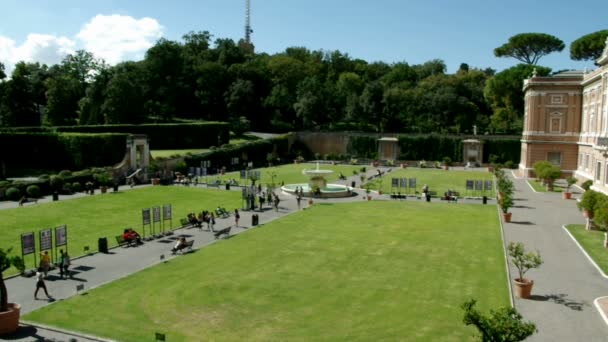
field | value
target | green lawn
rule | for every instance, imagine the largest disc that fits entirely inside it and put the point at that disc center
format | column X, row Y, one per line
column 106, row 215
column 364, row 271
column 538, row 187
column 593, row 243
column 178, row 153
column 437, row 180
column 289, row 173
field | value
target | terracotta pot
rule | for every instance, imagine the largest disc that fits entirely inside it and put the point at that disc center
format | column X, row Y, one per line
column 445, row 167
column 104, row 189
column 9, row 321
column 566, row 195
column 490, row 169
column 369, row 198
column 523, row 287
column 310, row 202
column 587, row 214
column 155, row 181
column 507, row 217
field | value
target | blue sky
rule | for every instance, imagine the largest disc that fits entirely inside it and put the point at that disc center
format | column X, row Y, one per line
column 382, row 30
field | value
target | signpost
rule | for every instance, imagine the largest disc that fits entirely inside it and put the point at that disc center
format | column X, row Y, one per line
column 167, row 216
column 145, row 216
column 61, row 237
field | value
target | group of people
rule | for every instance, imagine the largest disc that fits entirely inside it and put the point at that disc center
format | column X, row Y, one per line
column 45, row 266
column 205, row 216
column 180, row 244
column 131, row 236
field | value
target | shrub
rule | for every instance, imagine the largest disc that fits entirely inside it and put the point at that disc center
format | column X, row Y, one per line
column 587, row 184
column 13, row 194
column 57, row 182
column 65, row 173
column 181, row 167
column 589, row 201
column 505, row 324
column 33, row 191
column 67, row 188
column 44, row 176
column 509, row 164
column 76, row 187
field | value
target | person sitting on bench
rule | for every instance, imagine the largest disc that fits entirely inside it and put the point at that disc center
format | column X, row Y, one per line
column 179, row 244
column 131, row 236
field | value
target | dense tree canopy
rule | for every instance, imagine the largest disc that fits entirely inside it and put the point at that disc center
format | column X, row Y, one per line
column 204, row 78
column 589, row 47
column 529, row 47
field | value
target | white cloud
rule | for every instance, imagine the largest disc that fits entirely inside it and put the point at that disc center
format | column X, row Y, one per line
column 43, row 48
column 116, row 37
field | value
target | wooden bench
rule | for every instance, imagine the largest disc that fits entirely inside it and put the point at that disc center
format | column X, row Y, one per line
column 220, row 232
column 27, row 200
column 188, row 245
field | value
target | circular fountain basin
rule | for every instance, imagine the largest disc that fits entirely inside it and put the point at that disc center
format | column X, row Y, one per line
column 329, row 191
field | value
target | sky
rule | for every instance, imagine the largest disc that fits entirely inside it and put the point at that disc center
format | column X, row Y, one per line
column 391, row 31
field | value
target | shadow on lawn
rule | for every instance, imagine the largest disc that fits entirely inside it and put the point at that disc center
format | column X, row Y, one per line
column 560, row 299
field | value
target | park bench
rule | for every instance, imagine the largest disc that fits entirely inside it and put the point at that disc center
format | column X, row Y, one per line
column 27, row 200
column 221, row 232
column 187, row 246
column 222, row 213
column 453, row 198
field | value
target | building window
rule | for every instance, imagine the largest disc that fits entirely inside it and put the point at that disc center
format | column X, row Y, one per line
column 557, row 99
column 586, row 162
column 606, row 175
column 556, row 125
column 598, row 171
column 555, row 158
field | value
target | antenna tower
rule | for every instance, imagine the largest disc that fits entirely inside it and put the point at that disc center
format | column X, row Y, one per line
column 248, row 29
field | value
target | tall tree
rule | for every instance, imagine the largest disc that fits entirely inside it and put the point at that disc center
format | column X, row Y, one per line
column 124, row 102
column 63, row 94
column 589, row 46
column 529, row 48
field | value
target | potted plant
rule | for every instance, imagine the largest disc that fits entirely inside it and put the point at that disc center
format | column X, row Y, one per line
column 570, row 181
column 447, row 161
column 9, row 312
column 103, row 179
column 367, row 191
column 588, row 203
column 523, row 261
column 506, row 203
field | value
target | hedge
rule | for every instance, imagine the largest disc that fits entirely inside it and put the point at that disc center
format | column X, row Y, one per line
column 166, row 136
column 53, row 151
column 255, row 152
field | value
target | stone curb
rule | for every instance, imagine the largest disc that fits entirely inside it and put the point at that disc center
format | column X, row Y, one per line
column 585, row 253
column 64, row 331
column 601, row 304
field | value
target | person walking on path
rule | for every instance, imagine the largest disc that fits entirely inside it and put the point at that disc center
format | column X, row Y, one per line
column 40, row 284
column 45, row 262
column 64, row 263
column 236, row 217
column 299, row 199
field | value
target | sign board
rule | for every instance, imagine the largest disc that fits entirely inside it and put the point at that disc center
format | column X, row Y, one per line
column 478, row 185
column 145, row 214
column 191, row 170
column 403, row 182
column 204, row 171
column 395, row 182
column 487, row 185
column 413, row 183
column 46, row 239
column 156, row 214
column 243, row 174
column 167, row 211
column 244, row 193
column 469, row 184
column 198, row 172
column 28, row 243
column 61, row 236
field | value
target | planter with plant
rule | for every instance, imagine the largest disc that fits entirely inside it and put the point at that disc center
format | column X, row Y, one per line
column 523, row 261
column 447, row 162
column 590, row 203
column 9, row 312
column 570, row 181
column 506, row 203
column 104, row 180
column 367, row 191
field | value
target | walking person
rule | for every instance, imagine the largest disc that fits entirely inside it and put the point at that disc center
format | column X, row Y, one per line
column 64, row 263
column 40, row 285
column 299, row 199
column 236, row 217
column 45, row 262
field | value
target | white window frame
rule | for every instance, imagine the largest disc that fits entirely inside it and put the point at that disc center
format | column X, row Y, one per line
column 558, row 153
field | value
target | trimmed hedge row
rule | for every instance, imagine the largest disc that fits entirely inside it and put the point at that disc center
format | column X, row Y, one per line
column 53, row 151
column 255, row 151
column 436, row 147
column 44, row 183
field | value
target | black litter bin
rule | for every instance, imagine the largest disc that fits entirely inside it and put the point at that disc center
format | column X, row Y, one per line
column 485, row 199
column 254, row 219
column 115, row 187
column 428, row 197
column 102, row 245
column 352, row 184
column 55, row 196
column 227, row 186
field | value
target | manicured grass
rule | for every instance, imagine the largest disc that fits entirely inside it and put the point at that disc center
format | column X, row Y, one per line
column 176, row 153
column 538, row 187
column 92, row 217
column 363, row 271
column 593, row 243
column 289, row 173
column 437, row 180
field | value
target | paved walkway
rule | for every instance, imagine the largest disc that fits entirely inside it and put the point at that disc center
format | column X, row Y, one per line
column 565, row 285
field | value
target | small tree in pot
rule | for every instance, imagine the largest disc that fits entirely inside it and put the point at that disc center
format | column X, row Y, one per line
column 523, row 261
column 588, row 205
column 506, row 202
column 9, row 312
column 570, row 181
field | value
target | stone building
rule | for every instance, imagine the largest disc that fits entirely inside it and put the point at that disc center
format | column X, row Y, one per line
column 566, row 123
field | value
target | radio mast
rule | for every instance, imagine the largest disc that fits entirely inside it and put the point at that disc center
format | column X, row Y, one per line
column 248, row 29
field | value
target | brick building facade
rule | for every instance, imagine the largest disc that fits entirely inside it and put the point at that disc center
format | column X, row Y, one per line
column 566, row 123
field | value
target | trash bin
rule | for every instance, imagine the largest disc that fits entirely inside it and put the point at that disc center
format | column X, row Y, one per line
column 115, row 187
column 55, row 196
column 352, row 184
column 227, row 186
column 485, row 199
column 102, row 245
column 254, row 219
column 428, row 197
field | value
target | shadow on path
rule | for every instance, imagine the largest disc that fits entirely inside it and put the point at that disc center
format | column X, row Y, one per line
column 560, row 299
column 525, row 223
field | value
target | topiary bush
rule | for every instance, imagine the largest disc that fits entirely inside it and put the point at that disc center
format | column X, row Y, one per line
column 33, row 191
column 587, row 185
column 13, row 194
column 57, row 182
column 65, row 173
column 76, row 187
